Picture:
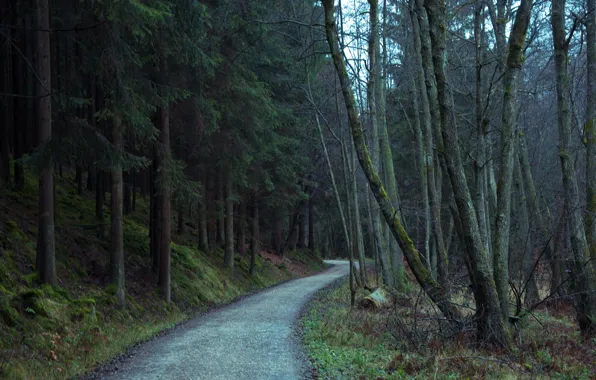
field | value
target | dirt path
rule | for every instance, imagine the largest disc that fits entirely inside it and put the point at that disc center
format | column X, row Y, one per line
column 251, row 339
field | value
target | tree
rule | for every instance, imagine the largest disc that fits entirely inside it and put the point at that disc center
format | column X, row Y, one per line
column 45, row 263
column 423, row 276
column 117, row 234
column 585, row 281
column 513, row 66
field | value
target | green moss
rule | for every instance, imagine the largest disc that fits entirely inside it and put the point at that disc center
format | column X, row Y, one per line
column 31, row 278
column 11, row 226
column 8, row 314
column 111, row 289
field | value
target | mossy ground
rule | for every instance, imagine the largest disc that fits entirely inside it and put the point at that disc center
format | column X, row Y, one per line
column 63, row 331
column 398, row 343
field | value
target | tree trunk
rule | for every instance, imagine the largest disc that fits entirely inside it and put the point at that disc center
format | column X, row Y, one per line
column 241, row 239
column 133, row 188
column 211, row 207
column 21, row 113
column 91, row 177
column 6, row 113
column 344, row 223
column 556, row 257
column 164, row 199
column 127, row 194
column 358, row 242
column 229, row 223
column 277, row 231
column 590, row 128
column 99, row 201
column 429, row 117
column 221, row 214
column 311, row 225
column 525, row 241
column 156, row 211
column 203, row 233
column 513, row 67
column 433, row 289
column 375, row 146
column 45, row 236
column 303, row 225
column 386, row 154
column 481, row 162
column 117, row 232
column 254, row 235
column 585, row 278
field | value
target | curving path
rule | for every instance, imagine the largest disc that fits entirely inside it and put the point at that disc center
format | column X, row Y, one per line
column 250, row 339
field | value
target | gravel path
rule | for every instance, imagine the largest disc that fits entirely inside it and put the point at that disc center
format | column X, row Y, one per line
column 251, row 339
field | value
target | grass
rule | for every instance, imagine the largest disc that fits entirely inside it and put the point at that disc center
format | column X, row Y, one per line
column 400, row 342
column 60, row 332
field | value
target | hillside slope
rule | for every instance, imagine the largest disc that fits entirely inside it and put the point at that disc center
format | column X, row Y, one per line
column 63, row 331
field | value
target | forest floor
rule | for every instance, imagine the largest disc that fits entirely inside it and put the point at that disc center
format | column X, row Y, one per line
column 250, row 339
column 407, row 341
column 67, row 330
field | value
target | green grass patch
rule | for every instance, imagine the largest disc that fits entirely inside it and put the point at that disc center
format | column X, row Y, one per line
column 345, row 343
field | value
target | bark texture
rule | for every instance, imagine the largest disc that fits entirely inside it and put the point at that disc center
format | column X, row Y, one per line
column 46, row 262
column 491, row 326
column 513, row 66
column 117, row 232
column 585, row 277
column 422, row 274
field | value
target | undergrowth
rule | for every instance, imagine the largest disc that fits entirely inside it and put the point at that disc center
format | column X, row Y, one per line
column 60, row 332
column 345, row 343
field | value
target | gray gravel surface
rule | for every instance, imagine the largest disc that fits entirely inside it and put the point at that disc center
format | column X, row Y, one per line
column 252, row 339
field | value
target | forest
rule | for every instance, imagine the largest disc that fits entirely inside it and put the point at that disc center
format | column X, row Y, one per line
column 161, row 157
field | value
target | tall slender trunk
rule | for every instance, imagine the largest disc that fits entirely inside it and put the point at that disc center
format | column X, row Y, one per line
column 6, row 112
column 380, row 62
column 590, row 128
column 241, row 239
column 358, row 241
column 491, row 324
column 164, row 198
column 533, row 201
column 585, row 277
column 99, row 201
column 277, row 231
column 212, row 212
column 346, row 234
column 375, row 146
column 127, row 195
column 422, row 167
column 556, row 266
column 513, row 65
column 430, row 119
column 133, row 187
column 45, row 236
column 432, row 288
column 525, row 240
column 203, row 232
column 481, row 163
column 254, row 235
column 21, row 115
column 156, row 211
column 221, row 213
column 117, row 232
column 311, row 225
column 229, row 223
column 303, row 225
